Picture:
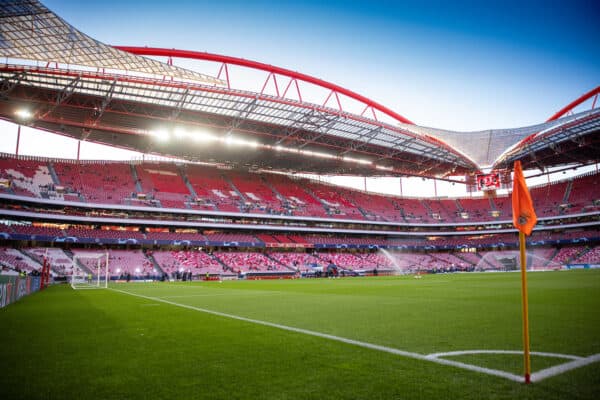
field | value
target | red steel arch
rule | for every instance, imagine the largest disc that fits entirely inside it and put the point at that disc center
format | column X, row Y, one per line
column 575, row 103
column 271, row 69
column 563, row 111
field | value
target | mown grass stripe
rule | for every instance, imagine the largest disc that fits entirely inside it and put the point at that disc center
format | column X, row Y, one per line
column 354, row 342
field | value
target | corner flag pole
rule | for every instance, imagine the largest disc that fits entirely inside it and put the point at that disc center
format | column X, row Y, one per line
column 525, row 306
column 524, row 219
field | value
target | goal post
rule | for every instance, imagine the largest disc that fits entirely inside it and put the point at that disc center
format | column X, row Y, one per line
column 90, row 271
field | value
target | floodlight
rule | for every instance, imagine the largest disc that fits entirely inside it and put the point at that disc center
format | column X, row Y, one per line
column 161, row 135
column 321, row 155
column 200, row 136
column 23, row 114
column 229, row 140
column 137, row 270
column 247, row 143
column 356, row 160
column 180, row 133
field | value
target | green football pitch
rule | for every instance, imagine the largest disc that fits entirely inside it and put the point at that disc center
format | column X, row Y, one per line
column 440, row 337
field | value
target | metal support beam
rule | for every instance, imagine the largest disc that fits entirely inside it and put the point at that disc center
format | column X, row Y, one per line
column 244, row 113
column 18, row 139
column 369, row 135
column 324, row 130
column 63, row 95
column 9, row 83
column 105, row 102
column 400, row 148
column 180, row 104
column 298, row 125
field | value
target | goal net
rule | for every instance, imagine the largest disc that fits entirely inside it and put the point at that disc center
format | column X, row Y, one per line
column 90, row 271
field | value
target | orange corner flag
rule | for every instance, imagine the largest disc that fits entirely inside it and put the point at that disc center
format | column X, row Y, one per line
column 524, row 218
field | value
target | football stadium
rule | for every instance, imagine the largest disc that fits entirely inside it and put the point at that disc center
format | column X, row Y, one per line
column 226, row 260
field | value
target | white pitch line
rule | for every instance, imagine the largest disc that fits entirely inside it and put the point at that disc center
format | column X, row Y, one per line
column 470, row 367
column 533, row 353
column 535, row 377
column 220, row 294
column 194, row 295
column 367, row 345
column 166, row 285
column 562, row 368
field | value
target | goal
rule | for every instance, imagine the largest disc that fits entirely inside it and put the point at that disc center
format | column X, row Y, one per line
column 90, row 271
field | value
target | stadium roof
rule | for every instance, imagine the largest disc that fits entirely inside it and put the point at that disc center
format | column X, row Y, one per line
column 126, row 98
column 495, row 147
column 30, row 31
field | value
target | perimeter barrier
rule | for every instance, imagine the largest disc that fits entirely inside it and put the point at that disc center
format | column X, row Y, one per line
column 13, row 287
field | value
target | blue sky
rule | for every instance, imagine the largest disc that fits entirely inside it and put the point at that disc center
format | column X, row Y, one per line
column 462, row 65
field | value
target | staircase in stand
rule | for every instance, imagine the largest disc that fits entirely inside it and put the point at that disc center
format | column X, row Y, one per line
column 225, row 266
column 242, row 201
column 556, row 250
column 278, row 262
column 565, row 199
column 153, row 261
column 53, row 174
column 79, row 263
column 314, row 196
column 31, row 258
column 188, row 183
column 458, row 255
column 426, row 207
column 136, row 179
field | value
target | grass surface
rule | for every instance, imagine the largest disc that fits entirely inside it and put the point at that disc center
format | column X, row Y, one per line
column 104, row 344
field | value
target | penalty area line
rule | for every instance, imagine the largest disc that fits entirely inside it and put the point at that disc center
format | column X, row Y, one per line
column 503, row 374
